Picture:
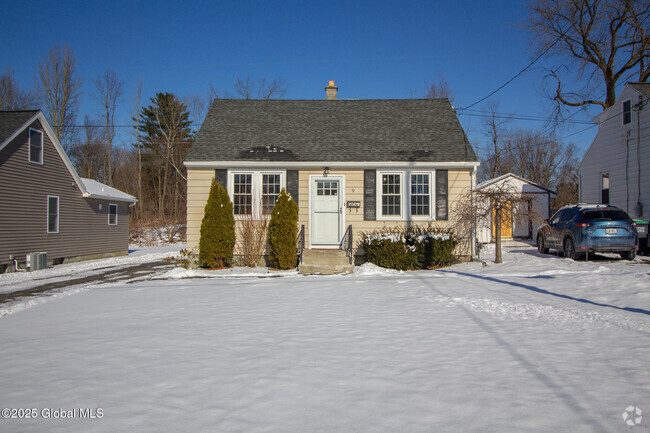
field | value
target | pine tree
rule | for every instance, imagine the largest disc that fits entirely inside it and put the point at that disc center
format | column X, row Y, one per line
column 217, row 229
column 283, row 229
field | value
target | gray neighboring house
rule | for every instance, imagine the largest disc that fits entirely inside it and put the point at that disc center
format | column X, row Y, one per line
column 615, row 168
column 46, row 206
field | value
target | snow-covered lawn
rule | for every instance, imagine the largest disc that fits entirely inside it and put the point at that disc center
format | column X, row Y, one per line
column 539, row 344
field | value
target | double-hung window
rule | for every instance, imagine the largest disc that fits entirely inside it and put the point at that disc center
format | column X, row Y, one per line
column 420, row 194
column 242, row 198
column 627, row 111
column 417, row 195
column 112, row 214
column 254, row 192
column 35, row 146
column 391, row 194
column 271, row 186
column 52, row 214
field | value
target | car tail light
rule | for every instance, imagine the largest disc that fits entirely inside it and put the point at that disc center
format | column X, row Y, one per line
column 633, row 224
column 584, row 225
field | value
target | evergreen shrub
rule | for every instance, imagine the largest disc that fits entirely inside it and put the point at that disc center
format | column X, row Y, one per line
column 217, row 240
column 412, row 248
column 283, row 230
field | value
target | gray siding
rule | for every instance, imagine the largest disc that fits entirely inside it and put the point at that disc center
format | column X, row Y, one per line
column 608, row 154
column 24, row 187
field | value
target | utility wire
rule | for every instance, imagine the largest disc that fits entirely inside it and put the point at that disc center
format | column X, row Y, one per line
column 542, row 54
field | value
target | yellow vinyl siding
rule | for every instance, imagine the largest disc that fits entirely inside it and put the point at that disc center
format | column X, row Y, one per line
column 199, row 187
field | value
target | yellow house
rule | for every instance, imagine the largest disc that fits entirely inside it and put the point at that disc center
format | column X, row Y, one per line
column 351, row 165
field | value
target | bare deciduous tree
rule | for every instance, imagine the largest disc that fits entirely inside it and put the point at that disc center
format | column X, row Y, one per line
column 540, row 157
column 252, row 235
column 495, row 164
column 135, row 112
column 89, row 153
column 489, row 207
column 596, row 42
column 248, row 88
column 108, row 92
column 12, row 97
column 59, row 89
column 439, row 89
column 197, row 106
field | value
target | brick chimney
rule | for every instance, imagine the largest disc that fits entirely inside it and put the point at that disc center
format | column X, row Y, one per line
column 330, row 91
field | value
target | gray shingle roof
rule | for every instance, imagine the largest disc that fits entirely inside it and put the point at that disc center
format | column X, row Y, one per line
column 341, row 130
column 12, row 120
column 643, row 88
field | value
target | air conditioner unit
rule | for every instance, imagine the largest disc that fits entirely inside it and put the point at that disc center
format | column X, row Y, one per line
column 36, row 261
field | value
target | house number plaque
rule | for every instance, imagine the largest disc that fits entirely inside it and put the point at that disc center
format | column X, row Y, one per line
column 354, row 204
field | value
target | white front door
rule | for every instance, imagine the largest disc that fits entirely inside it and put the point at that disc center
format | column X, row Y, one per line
column 326, row 211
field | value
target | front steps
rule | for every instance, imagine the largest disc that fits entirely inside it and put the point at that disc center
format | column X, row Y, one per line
column 325, row 262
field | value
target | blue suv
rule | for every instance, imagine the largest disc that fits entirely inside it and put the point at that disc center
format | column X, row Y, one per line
column 583, row 229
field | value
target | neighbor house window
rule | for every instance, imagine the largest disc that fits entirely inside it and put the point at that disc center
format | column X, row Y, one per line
column 52, row 214
column 420, row 195
column 255, row 192
column 35, row 146
column 604, row 190
column 391, row 194
column 627, row 112
column 112, row 214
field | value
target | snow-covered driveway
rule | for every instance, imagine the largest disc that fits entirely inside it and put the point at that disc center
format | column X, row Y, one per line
column 539, row 344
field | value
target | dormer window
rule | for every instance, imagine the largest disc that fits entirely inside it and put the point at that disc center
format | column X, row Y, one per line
column 627, row 112
column 35, row 146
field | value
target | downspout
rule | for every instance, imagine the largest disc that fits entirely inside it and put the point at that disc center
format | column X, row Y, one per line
column 473, row 234
column 638, row 208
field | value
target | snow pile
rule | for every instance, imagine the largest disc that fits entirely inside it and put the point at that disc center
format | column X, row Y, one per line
column 238, row 272
column 370, row 269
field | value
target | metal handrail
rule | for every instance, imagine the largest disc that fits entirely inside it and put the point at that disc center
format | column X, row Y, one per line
column 300, row 243
column 346, row 244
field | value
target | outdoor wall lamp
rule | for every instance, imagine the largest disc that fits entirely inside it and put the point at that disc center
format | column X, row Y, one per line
column 326, row 171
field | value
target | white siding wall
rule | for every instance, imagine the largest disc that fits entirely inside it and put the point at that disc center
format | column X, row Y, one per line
column 608, row 154
column 520, row 227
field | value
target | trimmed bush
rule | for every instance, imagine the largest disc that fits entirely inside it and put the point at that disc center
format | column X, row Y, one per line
column 217, row 240
column 283, row 230
column 413, row 248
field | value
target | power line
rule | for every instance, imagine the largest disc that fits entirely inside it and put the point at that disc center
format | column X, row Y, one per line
column 523, row 70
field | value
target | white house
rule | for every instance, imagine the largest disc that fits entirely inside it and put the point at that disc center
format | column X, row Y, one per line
column 615, row 168
column 525, row 224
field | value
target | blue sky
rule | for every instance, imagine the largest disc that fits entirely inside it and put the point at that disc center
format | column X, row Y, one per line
column 372, row 49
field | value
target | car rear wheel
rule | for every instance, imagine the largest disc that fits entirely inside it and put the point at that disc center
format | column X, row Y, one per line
column 541, row 247
column 628, row 255
column 570, row 249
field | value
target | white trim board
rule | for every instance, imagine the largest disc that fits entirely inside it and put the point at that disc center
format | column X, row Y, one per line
column 341, row 179
column 330, row 164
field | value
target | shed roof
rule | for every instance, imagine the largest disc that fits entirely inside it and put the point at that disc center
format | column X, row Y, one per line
column 421, row 130
column 514, row 176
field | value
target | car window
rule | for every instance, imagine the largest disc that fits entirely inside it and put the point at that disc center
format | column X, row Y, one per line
column 567, row 215
column 604, row 215
column 556, row 217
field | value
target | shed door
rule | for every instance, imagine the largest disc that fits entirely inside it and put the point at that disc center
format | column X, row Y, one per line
column 326, row 211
